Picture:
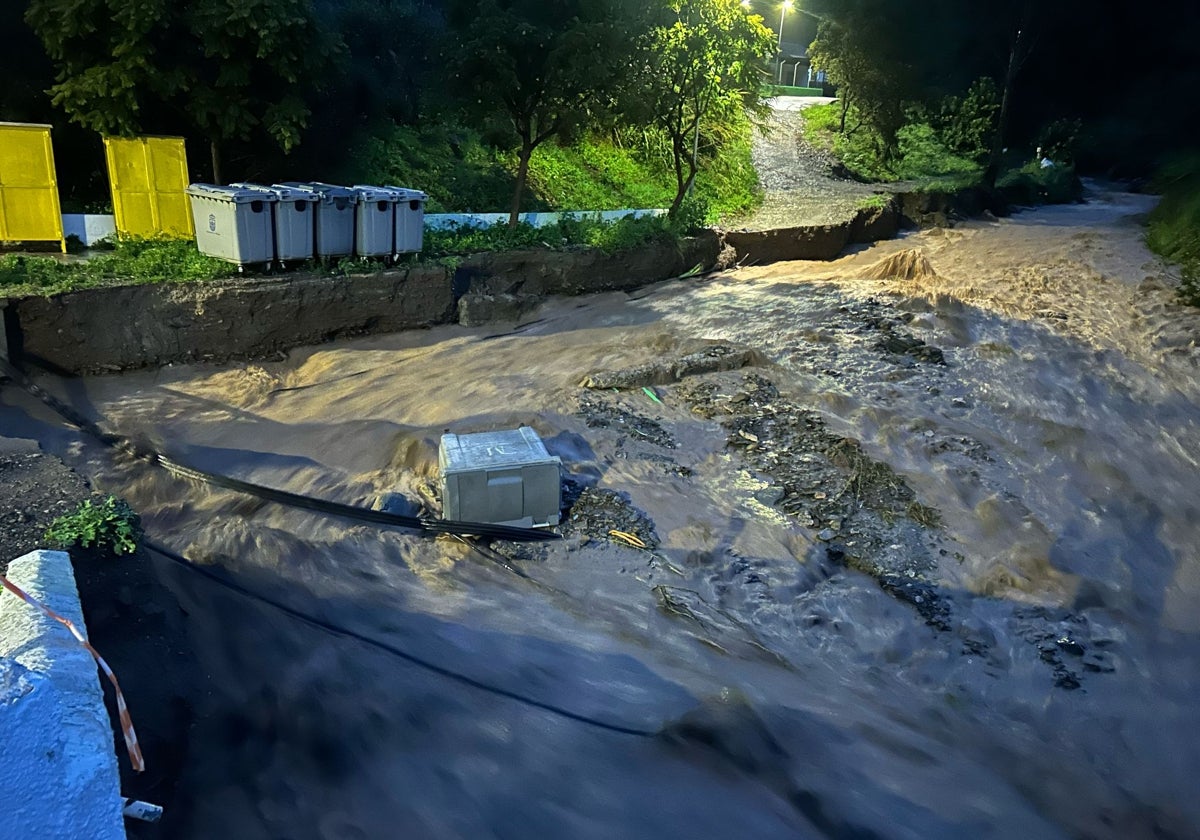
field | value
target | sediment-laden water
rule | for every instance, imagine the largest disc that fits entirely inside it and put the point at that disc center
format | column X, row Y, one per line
column 928, row 569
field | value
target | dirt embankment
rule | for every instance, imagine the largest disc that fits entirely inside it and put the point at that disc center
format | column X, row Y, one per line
column 127, row 327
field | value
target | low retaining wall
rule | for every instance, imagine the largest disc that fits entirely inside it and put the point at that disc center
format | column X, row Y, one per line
column 112, row 329
column 58, row 771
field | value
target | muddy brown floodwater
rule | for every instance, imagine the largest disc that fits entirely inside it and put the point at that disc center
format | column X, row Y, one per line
column 922, row 564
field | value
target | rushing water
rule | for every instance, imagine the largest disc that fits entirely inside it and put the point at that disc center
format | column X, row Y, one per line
column 1059, row 444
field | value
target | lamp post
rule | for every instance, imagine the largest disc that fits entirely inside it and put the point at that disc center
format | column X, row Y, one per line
column 787, row 5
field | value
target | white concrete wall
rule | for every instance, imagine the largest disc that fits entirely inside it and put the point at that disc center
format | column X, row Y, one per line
column 91, row 229
column 441, row 221
column 88, row 227
column 58, row 771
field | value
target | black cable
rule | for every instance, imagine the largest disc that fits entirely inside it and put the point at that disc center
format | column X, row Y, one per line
column 457, row 529
column 412, row 659
column 425, row 525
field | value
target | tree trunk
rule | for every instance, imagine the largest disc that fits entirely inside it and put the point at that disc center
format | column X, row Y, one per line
column 1015, row 58
column 514, row 213
column 681, row 182
column 845, row 108
column 215, row 151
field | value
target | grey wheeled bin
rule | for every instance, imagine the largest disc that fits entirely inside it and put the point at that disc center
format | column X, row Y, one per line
column 334, row 218
column 374, row 221
column 293, row 221
column 233, row 223
column 410, row 220
column 506, row 478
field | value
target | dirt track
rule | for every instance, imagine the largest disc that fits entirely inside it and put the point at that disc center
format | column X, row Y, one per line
column 799, row 180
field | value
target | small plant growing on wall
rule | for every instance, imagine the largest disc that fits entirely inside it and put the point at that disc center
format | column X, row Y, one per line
column 110, row 525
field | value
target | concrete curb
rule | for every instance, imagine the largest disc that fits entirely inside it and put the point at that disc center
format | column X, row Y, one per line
column 58, row 772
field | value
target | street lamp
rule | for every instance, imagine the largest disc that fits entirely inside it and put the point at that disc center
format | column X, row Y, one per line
column 787, row 6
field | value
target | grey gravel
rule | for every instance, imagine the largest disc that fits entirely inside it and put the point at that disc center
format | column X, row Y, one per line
column 801, row 181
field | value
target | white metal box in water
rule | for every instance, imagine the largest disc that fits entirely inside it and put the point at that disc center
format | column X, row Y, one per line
column 505, row 478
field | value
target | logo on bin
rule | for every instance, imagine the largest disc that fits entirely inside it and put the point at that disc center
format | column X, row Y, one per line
column 212, row 222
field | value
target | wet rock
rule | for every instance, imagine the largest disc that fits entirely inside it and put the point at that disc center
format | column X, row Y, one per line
column 717, row 357
column 602, row 413
column 478, row 309
column 598, row 511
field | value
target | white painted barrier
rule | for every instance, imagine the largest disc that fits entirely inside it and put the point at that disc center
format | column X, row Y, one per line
column 443, row 221
column 58, row 770
column 88, row 227
column 92, row 228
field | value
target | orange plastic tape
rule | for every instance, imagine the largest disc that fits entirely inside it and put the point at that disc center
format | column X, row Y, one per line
column 131, row 741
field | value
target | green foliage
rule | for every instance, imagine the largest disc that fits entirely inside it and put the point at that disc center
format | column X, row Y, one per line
column 449, row 162
column 1033, row 184
column 919, row 151
column 111, row 525
column 130, row 262
column 626, row 168
column 1059, row 140
column 250, row 65
column 922, row 154
column 596, row 173
column 700, row 63
column 571, row 231
column 966, row 125
column 1174, row 229
column 233, row 66
column 861, row 58
column 527, row 70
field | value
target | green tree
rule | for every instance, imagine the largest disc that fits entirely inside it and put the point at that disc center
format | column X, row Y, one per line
column 700, row 59
column 862, row 57
column 530, row 70
column 227, row 67
column 110, row 56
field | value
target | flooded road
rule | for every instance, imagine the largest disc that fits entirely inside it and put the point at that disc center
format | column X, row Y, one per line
column 1005, row 646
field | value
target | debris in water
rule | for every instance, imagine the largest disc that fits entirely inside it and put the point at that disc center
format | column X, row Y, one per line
column 717, row 357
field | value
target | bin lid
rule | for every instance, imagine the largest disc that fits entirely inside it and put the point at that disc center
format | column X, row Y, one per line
column 323, row 190
column 281, row 193
column 407, row 194
column 510, row 448
column 233, row 193
column 369, row 193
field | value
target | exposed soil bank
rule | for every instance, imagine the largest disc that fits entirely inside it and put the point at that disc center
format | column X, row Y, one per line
column 127, row 327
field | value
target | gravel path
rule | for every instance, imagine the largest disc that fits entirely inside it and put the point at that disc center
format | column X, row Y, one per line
column 799, row 180
column 35, row 489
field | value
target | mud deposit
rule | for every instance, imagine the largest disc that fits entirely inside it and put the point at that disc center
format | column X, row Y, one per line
column 912, row 555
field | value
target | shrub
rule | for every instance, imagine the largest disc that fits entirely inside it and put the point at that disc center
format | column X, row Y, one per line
column 571, row 231
column 111, row 525
column 1060, row 140
column 965, row 125
column 1174, row 229
column 1031, row 184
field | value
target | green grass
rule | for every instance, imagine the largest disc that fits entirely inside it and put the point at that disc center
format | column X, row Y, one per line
column 1174, row 228
column 876, row 201
column 130, row 262
column 609, row 171
column 610, row 237
column 789, row 90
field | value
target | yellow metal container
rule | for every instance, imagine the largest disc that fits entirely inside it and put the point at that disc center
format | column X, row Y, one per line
column 149, row 180
column 29, row 209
